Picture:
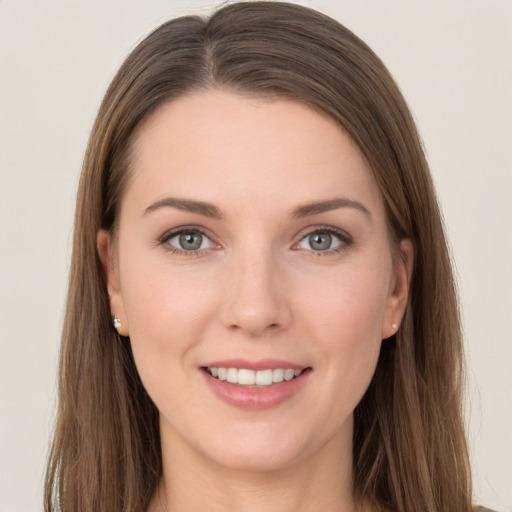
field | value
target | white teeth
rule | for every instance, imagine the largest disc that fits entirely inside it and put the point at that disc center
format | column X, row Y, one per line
column 288, row 374
column 264, row 377
column 232, row 375
column 278, row 375
column 245, row 377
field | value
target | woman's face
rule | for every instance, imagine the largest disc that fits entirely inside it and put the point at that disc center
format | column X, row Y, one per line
column 253, row 240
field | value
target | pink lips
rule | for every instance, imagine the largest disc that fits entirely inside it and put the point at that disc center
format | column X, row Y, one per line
column 253, row 398
column 262, row 364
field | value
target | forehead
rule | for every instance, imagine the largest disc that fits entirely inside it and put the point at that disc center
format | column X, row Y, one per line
column 225, row 147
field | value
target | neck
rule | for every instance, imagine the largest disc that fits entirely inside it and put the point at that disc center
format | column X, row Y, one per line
column 322, row 481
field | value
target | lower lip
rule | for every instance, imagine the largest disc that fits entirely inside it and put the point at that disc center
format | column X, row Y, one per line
column 256, row 398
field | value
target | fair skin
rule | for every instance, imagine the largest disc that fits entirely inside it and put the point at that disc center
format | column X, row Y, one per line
column 258, row 278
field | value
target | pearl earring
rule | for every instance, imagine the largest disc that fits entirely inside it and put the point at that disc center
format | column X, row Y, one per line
column 117, row 323
column 395, row 326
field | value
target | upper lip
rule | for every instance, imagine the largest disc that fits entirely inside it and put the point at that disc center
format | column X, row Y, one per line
column 260, row 364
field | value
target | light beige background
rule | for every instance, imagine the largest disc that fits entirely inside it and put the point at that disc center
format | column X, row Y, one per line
column 453, row 61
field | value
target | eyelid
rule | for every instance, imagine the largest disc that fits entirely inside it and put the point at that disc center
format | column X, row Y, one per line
column 171, row 233
column 345, row 239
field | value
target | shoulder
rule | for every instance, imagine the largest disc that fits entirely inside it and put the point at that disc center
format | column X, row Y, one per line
column 482, row 509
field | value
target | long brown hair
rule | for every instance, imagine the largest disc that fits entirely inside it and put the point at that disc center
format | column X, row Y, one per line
column 410, row 452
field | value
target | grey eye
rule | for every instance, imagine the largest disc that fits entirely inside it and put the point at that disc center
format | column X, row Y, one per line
column 320, row 241
column 190, row 240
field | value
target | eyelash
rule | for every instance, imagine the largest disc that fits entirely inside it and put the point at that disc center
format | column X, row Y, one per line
column 345, row 241
column 344, row 238
column 169, row 235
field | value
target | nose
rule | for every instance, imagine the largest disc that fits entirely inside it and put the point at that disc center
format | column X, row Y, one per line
column 255, row 299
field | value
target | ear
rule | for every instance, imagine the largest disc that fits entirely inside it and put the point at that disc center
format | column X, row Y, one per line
column 399, row 288
column 105, row 246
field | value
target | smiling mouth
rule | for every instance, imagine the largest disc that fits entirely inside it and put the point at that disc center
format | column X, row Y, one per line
column 254, row 378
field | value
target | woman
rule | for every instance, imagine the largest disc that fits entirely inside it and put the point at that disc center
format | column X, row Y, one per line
column 261, row 312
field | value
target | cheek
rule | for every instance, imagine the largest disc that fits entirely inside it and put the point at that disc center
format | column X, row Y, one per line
column 347, row 306
column 167, row 309
column 345, row 321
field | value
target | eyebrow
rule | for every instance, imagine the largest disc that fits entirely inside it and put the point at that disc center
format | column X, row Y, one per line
column 210, row 210
column 186, row 205
column 331, row 204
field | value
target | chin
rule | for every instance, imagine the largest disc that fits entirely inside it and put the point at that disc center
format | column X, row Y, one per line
column 258, row 460
column 262, row 449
